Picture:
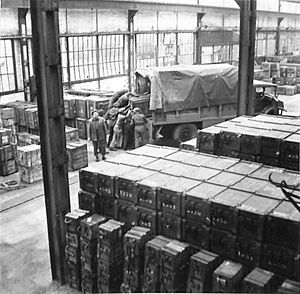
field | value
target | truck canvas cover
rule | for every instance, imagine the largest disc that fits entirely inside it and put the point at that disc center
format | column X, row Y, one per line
column 191, row 86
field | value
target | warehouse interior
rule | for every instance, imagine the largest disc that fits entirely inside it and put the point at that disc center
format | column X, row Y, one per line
column 206, row 201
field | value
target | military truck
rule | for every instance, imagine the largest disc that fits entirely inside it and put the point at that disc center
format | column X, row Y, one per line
column 184, row 98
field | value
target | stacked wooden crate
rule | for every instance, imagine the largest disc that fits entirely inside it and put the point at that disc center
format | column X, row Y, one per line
column 77, row 155
column 30, row 163
column 8, row 164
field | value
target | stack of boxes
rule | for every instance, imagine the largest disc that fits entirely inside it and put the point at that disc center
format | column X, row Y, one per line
column 110, row 256
column 272, row 140
column 72, row 249
column 89, row 230
column 175, row 257
column 134, row 248
column 30, row 163
column 8, row 164
column 77, row 155
column 152, row 266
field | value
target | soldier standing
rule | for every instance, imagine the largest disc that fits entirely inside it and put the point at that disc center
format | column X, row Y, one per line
column 139, row 121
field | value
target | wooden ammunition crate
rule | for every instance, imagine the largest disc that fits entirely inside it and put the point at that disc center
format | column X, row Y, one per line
column 20, row 112
column 31, row 174
column 81, row 125
column 291, row 90
column 96, row 102
column 81, row 107
column 7, row 116
column 5, row 137
column 29, row 155
column 27, row 139
column 8, row 152
column 32, row 120
column 72, row 134
column 77, row 156
column 8, row 167
column 70, row 107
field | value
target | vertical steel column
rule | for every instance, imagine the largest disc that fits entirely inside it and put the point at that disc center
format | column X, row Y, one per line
column 246, row 56
column 198, row 49
column 130, row 28
column 277, row 44
column 22, row 27
column 46, row 48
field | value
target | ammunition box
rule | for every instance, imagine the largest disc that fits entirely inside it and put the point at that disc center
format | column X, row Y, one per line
column 107, row 206
column 110, row 253
column 181, row 156
column 96, row 103
column 77, row 156
column 278, row 260
column 250, row 143
column 208, row 140
column 8, row 152
column 72, row 239
column 88, row 180
column 170, row 225
column 152, row 267
column 222, row 243
column 160, row 164
column 264, row 171
column 244, row 167
column 110, row 232
column 227, row 277
column 126, row 212
column 81, row 125
column 169, row 197
column 31, row 174
column 259, row 281
column 195, row 233
column 88, row 247
column 146, row 197
column 20, row 112
column 154, row 151
column 125, row 185
column 175, row 255
column 89, row 201
column 147, row 218
column 195, row 202
column 27, row 139
column 70, row 107
column 74, row 276
column 174, row 282
column 112, row 285
column 89, row 282
column 29, row 155
column 260, row 187
column 73, row 218
column 289, row 149
column 249, row 157
column 8, row 167
column 89, row 226
column 230, row 142
column 223, row 211
column 31, row 116
column 202, row 265
column 283, row 226
column 71, row 134
column 72, row 254
column 289, row 287
column 189, row 145
column 132, row 159
column 248, row 252
column 89, row 263
column 226, row 179
column 81, row 107
column 252, row 216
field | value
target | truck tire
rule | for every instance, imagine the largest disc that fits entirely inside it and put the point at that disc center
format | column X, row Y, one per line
column 184, row 132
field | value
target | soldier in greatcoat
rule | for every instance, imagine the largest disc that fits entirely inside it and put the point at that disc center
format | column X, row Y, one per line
column 97, row 132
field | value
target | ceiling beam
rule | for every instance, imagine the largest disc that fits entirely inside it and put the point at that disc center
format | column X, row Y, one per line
column 143, row 6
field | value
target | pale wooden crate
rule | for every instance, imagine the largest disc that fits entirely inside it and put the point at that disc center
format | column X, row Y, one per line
column 31, row 174
column 29, row 155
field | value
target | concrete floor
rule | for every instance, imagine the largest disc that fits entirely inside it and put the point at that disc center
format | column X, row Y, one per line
column 24, row 255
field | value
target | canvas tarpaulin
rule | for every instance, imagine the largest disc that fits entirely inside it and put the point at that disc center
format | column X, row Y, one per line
column 191, row 86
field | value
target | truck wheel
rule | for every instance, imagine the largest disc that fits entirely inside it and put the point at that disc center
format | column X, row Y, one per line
column 184, row 132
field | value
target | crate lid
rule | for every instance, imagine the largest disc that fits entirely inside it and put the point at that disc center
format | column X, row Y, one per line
column 212, row 130
column 273, row 134
column 244, row 167
column 231, row 197
column 259, row 205
column 225, row 178
column 264, row 171
column 181, row 185
column 138, row 174
column 295, row 138
column 199, row 159
column 259, row 187
column 159, row 180
column 205, row 190
column 159, row 164
column 180, row 155
column 241, row 119
column 29, row 148
column 286, row 210
column 228, row 269
column 132, row 159
column 114, row 169
column 154, row 151
column 260, row 276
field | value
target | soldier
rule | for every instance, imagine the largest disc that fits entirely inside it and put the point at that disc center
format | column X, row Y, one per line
column 97, row 131
column 139, row 121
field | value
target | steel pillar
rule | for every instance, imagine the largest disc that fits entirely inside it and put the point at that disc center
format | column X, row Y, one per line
column 130, row 45
column 46, row 48
column 198, row 49
column 277, row 44
column 246, row 56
